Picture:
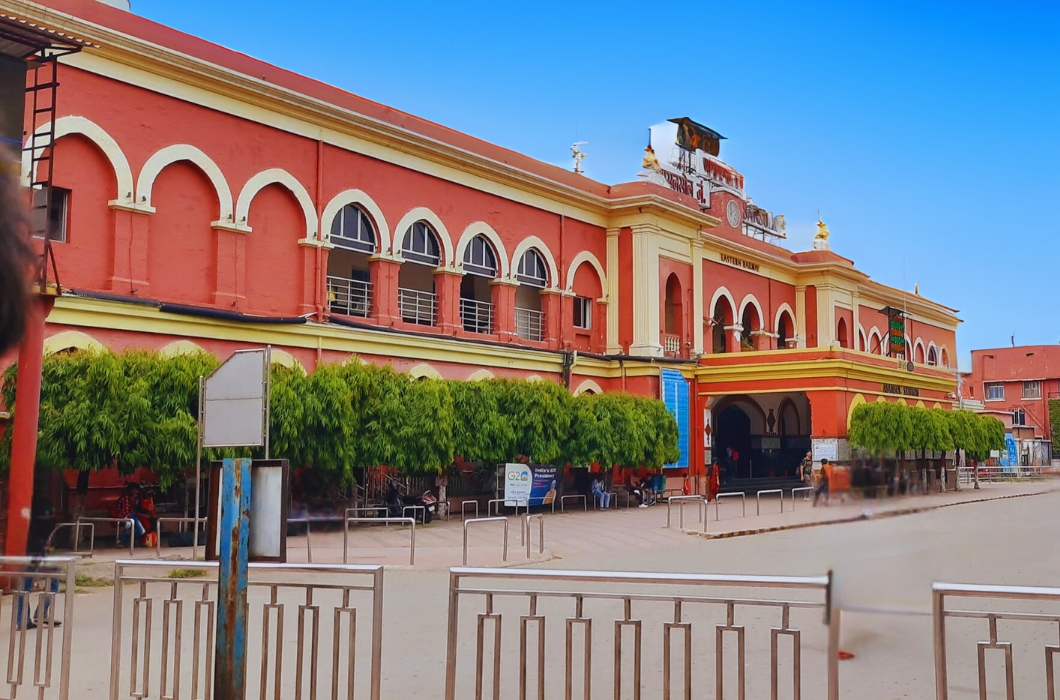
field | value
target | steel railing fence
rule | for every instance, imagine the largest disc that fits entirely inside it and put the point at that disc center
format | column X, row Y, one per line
column 310, row 627
column 349, row 296
column 557, row 634
column 476, row 316
column 416, row 306
column 529, row 324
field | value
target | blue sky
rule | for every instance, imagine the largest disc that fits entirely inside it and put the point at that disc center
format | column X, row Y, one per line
column 927, row 133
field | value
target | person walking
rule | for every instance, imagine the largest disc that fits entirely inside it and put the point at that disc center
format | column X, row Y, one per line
column 823, row 476
column 714, row 485
column 806, row 471
column 600, row 494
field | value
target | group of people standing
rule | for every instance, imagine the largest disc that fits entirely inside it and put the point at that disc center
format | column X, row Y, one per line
column 819, row 479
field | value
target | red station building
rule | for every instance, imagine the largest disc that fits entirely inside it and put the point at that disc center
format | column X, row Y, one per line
column 204, row 199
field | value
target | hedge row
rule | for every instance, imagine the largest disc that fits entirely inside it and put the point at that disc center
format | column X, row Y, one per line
column 138, row 409
column 890, row 427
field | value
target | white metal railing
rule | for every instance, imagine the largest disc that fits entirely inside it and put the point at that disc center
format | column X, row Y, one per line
column 672, row 345
column 529, row 324
column 417, row 307
column 966, row 475
column 476, row 316
column 310, row 620
column 631, row 620
column 350, row 297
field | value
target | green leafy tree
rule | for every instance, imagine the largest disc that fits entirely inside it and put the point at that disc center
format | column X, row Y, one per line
column 482, row 431
column 539, row 414
column 882, row 427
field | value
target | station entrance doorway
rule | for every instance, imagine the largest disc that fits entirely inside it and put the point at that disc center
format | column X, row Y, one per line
column 760, row 436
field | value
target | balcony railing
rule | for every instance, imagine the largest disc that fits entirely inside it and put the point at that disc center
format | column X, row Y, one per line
column 530, row 324
column 671, row 345
column 416, row 306
column 350, row 297
column 476, row 316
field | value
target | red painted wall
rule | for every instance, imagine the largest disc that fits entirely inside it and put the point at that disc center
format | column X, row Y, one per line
column 811, row 316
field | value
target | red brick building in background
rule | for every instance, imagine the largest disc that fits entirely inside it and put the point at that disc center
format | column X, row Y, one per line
column 1015, row 385
column 210, row 201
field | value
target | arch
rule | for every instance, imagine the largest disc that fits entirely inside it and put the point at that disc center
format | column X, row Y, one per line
column 71, row 340
column 673, row 308
column 479, row 375
column 281, row 177
column 751, row 300
column 539, row 245
column 918, row 352
column 585, row 257
column 588, row 387
column 881, row 399
column 785, row 307
column 854, row 403
column 424, row 371
column 863, row 342
column 535, row 378
column 481, row 228
column 921, row 404
column 719, row 293
column 368, row 205
column 69, row 125
column 932, row 356
column 749, row 406
column 783, row 429
column 936, row 405
column 944, row 357
column 285, row 359
column 842, row 333
column 181, row 347
column 876, row 341
column 902, row 401
column 425, row 214
column 176, row 153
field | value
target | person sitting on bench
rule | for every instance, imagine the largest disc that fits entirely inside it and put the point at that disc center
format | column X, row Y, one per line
column 634, row 488
column 127, row 506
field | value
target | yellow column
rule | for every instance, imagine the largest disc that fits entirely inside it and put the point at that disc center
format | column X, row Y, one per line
column 697, row 296
column 611, row 292
column 800, row 315
column 646, row 340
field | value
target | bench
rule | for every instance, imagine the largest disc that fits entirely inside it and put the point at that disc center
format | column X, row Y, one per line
column 675, row 486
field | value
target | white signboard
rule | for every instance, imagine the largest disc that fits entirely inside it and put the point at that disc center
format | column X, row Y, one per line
column 826, row 448
column 518, row 482
column 235, row 405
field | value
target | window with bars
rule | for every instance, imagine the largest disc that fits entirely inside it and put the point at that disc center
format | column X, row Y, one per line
column 352, row 229
column 583, row 313
column 421, row 245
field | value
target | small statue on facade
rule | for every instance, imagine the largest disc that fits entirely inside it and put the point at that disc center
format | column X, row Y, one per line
column 820, row 241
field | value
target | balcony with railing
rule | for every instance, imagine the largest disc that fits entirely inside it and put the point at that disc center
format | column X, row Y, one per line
column 672, row 346
column 476, row 316
column 350, row 297
column 530, row 324
column 416, row 306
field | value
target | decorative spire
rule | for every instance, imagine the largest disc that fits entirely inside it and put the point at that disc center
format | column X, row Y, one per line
column 820, row 241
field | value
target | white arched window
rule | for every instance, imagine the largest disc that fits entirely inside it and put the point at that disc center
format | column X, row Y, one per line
column 349, row 279
column 533, row 277
column 933, row 356
column 480, row 268
column 353, row 230
column 417, row 300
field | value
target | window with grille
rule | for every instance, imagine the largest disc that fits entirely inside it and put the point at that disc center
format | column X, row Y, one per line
column 532, row 269
column 58, row 212
column 479, row 258
column 995, row 391
column 421, row 245
column 1032, row 390
column 583, row 312
column 352, row 229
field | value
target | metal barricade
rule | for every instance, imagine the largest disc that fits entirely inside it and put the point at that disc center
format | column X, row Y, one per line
column 729, row 494
column 181, row 521
column 504, row 520
column 49, row 545
column 681, row 500
column 305, row 631
column 489, row 506
column 627, row 610
column 540, row 533
column 422, row 509
column 128, row 522
column 463, row 509
column 758, row 499
column 38, row 650
column 574, row 496
column 809, row 492
column 411, row 522
column 1005, row 606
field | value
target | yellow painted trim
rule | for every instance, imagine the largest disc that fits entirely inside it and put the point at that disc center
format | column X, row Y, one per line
column 71, row 340
column 480, row 375
column 858, row 400
column 921, row 404
column 936, row 405
column 534, row 378
column 822, row 368
column 285, row 359
column 588, row 386
column 180, row 347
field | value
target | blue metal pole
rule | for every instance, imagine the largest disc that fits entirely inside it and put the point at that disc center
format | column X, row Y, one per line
column 231, row 668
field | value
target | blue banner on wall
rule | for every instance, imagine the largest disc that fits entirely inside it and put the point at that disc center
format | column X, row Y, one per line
column 675, row 395
column 546, row 485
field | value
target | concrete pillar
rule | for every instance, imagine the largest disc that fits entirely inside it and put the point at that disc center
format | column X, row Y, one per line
column 502, row 294
column 611, row 292
column 129, row 266
column 447, row 287
column 384, row 275
column 231, row 283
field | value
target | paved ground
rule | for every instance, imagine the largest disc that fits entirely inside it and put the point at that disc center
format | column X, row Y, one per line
column 885, row 567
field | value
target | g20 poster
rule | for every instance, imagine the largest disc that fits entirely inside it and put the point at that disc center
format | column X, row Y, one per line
column 530, row 485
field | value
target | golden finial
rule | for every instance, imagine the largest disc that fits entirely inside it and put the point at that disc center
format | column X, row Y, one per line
column 650, row 162
column 820, row 241
column 916, row 289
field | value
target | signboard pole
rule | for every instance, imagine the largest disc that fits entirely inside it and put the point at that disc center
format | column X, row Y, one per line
column 231, row 662
column 198, row 472
column 266, row 390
